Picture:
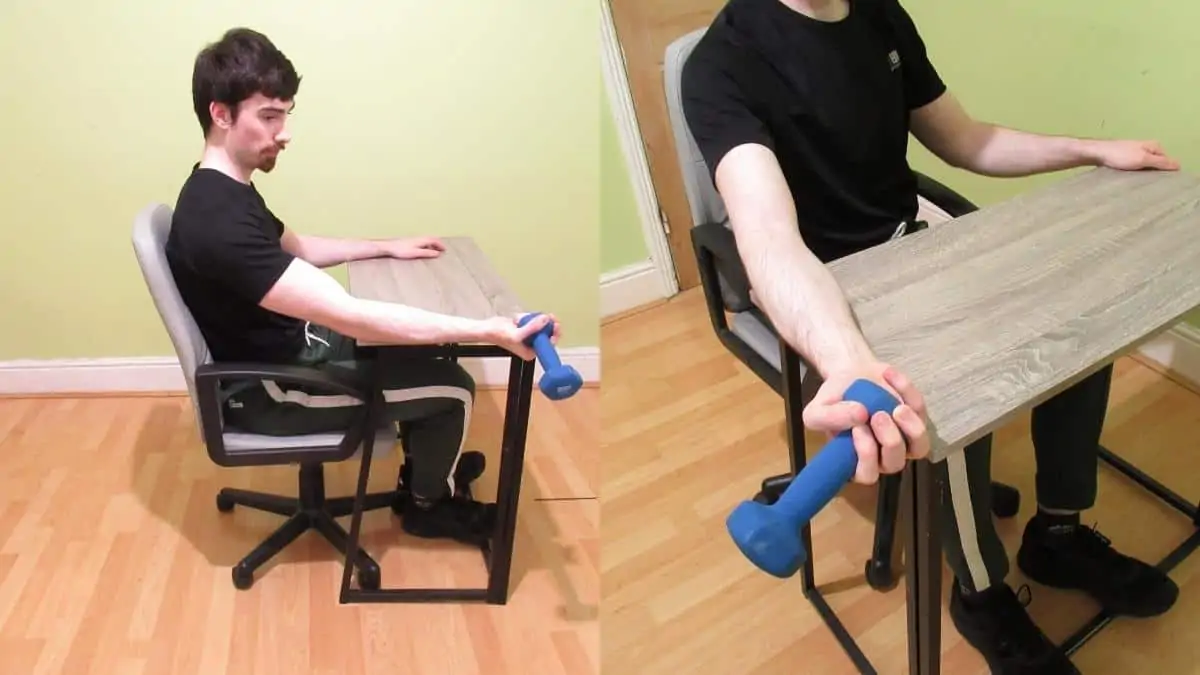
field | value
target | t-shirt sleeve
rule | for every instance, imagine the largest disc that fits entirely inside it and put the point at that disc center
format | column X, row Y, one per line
column 239, row 254
column 922, row 84
column 719, row 115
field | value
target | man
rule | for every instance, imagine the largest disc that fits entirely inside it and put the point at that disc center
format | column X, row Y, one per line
column 258, row 293
column 802, row 110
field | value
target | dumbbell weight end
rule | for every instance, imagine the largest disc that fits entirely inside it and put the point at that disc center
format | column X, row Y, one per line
column 769, row 536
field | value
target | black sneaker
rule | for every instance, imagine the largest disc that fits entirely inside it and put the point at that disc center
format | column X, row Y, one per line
column 452, row 517
column 995, row 623
column 1083, row 559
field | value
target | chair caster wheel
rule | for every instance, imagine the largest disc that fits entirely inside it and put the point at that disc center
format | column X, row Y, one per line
column 764, row 499
column 368, row 578
column 1006, row 501
column 243, row 577
column 879, row 575
column 224, row 503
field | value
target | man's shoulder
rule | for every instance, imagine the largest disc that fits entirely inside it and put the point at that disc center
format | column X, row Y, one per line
column 208, row 203
column 728, row 54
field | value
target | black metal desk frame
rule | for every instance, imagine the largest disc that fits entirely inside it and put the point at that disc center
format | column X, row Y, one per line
column 923, row 545
column 497, row 553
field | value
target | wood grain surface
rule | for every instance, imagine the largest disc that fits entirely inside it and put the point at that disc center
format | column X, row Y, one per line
column 460, row 282
column 1001, row 309
column 115, row 561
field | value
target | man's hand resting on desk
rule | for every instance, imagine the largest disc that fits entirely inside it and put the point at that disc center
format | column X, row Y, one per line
column 1132, row 155
column 412, row 249
column 880, row 441
column 504, row 332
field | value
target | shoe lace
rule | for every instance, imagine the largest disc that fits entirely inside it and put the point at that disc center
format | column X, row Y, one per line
column 1022, row 641
column 1097, row 546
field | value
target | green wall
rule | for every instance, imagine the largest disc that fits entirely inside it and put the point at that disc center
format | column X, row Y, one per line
column 621, row 240
column 483, row 122
column 1094, row 68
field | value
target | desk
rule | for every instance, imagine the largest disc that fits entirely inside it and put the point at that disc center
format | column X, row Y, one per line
column 997, row 311
column 460, row 282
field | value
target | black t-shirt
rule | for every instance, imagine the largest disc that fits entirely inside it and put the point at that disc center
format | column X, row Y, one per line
column 830, row 99
column 225, row 254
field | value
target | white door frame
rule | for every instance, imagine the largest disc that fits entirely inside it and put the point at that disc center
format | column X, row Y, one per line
column 616, row 82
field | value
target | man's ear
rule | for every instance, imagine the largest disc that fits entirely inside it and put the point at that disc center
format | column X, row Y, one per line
column 222, row 116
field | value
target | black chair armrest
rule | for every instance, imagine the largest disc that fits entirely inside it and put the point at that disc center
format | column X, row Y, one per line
column 945, row 198
column 722, row 272
column 210, row 375
column 208, row 393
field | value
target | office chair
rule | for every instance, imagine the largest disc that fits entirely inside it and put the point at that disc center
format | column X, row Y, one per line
column 749, row 334
column 309, row 509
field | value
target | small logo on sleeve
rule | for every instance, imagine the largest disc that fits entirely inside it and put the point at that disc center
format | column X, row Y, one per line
column 894, row 59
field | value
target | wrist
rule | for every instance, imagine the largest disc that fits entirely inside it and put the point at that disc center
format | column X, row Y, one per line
column 852, row 356
column 1088, row 151
column 485, row 330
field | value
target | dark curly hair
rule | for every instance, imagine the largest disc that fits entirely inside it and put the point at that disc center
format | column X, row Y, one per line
column 241, row 64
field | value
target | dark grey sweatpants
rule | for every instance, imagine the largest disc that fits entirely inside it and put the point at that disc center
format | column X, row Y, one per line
column 430, row 400
column 1066, row 440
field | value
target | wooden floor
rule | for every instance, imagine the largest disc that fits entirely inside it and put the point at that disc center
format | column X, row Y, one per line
column 688, row 433
column 114, row 559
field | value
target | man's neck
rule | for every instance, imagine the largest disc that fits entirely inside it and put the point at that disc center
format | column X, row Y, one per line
column 821, row 10
column 217, row 159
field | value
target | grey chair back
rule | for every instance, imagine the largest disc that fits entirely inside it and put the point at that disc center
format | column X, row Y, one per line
column 705, row 202
column 151, row 227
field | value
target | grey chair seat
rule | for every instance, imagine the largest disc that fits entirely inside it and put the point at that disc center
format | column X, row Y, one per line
column 240, row 442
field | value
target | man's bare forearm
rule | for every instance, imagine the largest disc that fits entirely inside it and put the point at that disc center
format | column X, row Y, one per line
column 375, row 321
column 330, row 251
column 803, row 300
column 1000, row 152
column 307, row 293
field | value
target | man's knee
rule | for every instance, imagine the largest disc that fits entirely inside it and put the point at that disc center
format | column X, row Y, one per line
column 458, row 377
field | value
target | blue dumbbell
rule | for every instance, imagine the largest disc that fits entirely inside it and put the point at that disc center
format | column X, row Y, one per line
column 559, row 381
column 770, row 535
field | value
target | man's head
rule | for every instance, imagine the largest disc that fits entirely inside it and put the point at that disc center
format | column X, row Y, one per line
column 243, row 89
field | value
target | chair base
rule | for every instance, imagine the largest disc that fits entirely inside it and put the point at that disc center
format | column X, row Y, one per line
column 309, row 511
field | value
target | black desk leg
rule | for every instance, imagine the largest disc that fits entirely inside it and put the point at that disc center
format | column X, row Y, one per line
column 374, row 410
column 923, row 568
column 508, row 491
column 497, row 556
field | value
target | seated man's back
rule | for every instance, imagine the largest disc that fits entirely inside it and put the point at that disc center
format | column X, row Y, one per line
column 225, row 254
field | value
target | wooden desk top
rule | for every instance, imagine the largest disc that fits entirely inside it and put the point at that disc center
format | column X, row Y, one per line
column 460, row 282
column 1000, row 309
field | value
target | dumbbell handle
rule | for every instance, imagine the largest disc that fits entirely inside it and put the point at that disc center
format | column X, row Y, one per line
column 834, row 464
column 546, row 353
column 540, row 341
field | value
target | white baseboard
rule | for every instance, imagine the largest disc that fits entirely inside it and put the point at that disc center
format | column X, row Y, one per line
column 629, row 287
column 162, row 373
column 1176, row 350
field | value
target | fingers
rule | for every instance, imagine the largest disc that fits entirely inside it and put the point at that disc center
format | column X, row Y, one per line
column 915, row 431
column 867, row 471
column 1163, row 162
column 535, row 324
column 891, row 443
column 908, row 392
column 834, row 417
